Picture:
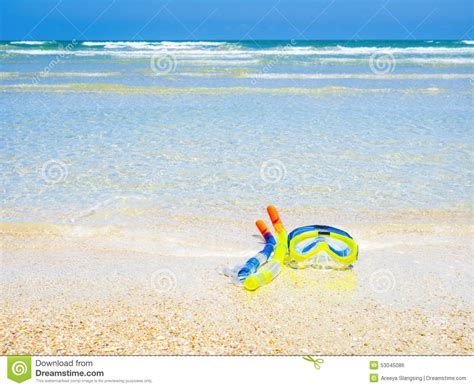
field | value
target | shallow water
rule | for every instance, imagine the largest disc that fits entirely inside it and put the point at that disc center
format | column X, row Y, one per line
column 220, row 129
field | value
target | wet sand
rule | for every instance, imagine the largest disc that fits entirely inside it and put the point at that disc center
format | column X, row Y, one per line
column 80, row 289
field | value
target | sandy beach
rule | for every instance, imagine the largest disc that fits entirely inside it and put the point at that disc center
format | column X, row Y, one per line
column 108, row 290
column 132, row 173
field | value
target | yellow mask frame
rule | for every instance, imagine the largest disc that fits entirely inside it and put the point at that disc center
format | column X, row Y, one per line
column 322, row 246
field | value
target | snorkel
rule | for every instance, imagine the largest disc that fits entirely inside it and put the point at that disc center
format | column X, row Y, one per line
column 251, row 265
column 266, row 274
column 240, row 272
column 319, row 246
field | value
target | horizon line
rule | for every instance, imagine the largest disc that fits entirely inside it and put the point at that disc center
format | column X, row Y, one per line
column 237, row 40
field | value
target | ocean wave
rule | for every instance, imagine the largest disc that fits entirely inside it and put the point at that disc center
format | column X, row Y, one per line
column 243, row 57
column 202, row 43
column 78, row 74
column 439, row 61
column 128, row 89
column 122, row 48
column 344, row 50
column 468, row 41
column 30, row 42
column 431, row 61
column 209, row 53
column 219, row 62
column 154, row 45
column 200, row 54
column 349, row 76
column 9, row 74
column 120, row 45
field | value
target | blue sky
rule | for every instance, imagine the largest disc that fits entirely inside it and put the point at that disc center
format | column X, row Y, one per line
column 232, row 19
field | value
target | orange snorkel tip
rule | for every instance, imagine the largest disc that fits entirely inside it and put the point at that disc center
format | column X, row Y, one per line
column 273, row 214
column 262, row 227
column 275, row 218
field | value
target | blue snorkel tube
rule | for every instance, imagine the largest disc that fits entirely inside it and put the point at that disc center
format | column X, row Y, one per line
column 254, row 263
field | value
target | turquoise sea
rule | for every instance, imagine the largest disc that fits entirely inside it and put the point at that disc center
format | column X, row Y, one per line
column 132, row 132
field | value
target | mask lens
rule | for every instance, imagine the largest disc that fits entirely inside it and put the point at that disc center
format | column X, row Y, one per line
column 338, row 247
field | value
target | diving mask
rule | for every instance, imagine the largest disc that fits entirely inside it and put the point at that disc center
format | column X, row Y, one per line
column 322, row 247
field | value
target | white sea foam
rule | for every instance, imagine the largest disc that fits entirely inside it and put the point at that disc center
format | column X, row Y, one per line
column 228, row 53
column 30, row 42
column 181, row 54
column 400, row 61
column 38, row 52
column 203, row 43
column 218, row 53
column 342, row 50
column 94, row 43
column 215, row 47
column 439, row 61
column 218, row 62
column 468, row 41
column 152, row 45
column 120, row 45
column 351, row 76
column 77, row 74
